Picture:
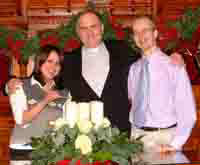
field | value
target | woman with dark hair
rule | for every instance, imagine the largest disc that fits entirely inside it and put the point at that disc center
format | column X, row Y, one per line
column 42, row 100
column 42, row 58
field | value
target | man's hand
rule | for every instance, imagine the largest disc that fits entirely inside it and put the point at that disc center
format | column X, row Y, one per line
column 164, row 155
column 166, row 148
column 177, row 59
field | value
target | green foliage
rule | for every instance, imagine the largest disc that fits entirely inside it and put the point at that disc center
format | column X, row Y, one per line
column 107, row 144
column 67, row 31
column 63, row 34
column 187, row 24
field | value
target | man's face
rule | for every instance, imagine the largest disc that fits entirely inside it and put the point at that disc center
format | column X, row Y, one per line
column 90, row 30
column 144, row 34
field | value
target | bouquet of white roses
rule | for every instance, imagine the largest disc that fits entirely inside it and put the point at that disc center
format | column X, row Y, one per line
column 86, row 141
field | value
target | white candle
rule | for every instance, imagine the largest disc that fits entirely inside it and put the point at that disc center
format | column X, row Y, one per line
column 97, row 113
column 84, row 111
column 64, row 110
column 71, row 113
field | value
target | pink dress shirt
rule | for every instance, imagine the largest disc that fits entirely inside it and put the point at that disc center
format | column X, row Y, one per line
column 171, row 98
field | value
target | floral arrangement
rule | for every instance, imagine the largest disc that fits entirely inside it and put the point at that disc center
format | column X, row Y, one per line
column 181, row 34
column 84, row 138
column 183, row 28
column 64, row 36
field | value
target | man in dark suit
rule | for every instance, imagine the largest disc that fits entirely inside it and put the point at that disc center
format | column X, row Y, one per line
column 99, row 70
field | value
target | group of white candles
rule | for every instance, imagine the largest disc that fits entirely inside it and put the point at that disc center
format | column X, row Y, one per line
column 73, row 112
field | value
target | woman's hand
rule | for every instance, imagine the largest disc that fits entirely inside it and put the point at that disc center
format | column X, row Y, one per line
column 51, row 95
column 35, row 109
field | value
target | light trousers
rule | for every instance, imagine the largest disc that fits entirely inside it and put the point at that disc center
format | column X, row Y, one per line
column 152, row 139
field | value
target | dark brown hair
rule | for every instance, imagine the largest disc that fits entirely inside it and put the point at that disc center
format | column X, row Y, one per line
column 40, row 59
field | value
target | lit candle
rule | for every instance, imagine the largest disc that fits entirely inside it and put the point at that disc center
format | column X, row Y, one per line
column 84, row 111
column 97, row 113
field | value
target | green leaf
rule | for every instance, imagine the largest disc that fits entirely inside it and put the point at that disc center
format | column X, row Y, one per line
column 121, row 160
column 102, row 156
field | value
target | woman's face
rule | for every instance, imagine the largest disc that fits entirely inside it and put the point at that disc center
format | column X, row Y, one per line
column 51, row 67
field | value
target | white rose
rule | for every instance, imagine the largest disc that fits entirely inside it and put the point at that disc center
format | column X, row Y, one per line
column 59, row 123
column 84, row 126
column 83, row 143
column 106, row 123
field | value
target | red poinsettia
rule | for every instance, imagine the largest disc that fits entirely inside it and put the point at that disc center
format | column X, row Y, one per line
column 63, row 162
column 166, row 34
column 15, row 46
column 71, row 44
column 67, row 162
column 49, row 40
column 120, row 34
column 187, row 48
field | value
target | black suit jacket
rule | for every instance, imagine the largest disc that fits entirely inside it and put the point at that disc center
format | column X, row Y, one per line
column 115, row 94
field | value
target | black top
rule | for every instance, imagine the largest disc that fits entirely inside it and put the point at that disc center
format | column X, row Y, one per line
column 115, row 93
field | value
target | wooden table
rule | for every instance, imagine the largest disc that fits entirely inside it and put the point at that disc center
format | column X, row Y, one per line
column 187, row 158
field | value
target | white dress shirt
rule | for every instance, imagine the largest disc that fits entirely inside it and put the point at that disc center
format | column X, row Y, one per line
column 171, row 98
column 95, row 67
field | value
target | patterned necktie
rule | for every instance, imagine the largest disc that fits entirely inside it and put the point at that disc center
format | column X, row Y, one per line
column 142, row 95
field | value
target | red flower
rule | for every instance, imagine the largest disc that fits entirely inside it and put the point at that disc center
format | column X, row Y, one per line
column 78, row 162
column 113, row 20
column 10, row 41
column 49, row 40
column 71, row 44
column 109, row 162
column 97, row 163
column 15, row 46
column 63, row 162
column 196, row 35
column 120, row 34
column 19, row 44
column 166, row 35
